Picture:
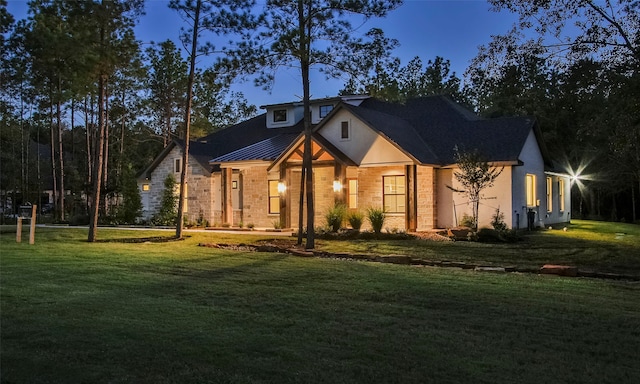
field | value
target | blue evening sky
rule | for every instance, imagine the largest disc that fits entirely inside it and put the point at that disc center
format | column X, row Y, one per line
column 453, row 29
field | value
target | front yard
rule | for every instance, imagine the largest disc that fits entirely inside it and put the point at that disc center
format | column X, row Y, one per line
column 174, row 312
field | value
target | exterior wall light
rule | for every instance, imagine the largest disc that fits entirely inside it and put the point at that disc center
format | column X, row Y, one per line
column 282, row 187
column 337, row 186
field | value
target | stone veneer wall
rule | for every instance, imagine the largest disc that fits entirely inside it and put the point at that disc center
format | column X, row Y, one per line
column 199, row 188
column 255, row 198
column 427, row 199
column 370, row 194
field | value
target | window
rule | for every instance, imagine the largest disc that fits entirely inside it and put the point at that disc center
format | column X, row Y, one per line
column 561, row 194
column 549, row 194
column 394, row 194
column 177, row 165
column 325, row 109
column 530, row 188
column 274, row 197
column 279, row 115
column 344, row 131
column 352, row 193
column 146, row 188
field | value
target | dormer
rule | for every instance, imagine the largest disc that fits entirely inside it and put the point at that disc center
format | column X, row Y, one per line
column 289, row 114
column 283, row 115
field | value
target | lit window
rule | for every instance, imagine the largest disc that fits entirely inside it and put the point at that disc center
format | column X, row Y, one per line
column 394, row 194
column 561, row 193
column 549, row 194
column 530, row 186
column 279, row 115
column 344, row 131
column 177, row 165
column 325, row 109
column 274, row 197
column 146, row 188
column 352, row 194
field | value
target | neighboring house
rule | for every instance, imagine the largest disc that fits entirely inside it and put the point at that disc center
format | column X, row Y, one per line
column 366, row 153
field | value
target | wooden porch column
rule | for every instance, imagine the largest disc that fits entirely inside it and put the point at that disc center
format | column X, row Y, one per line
column 340, row 175
column 227, row 206
column 285, row 197
column 412, row 202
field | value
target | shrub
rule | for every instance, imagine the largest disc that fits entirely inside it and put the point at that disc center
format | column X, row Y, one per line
column 488, row 235
column 497, row 221
column 335, row 216
column 376, row 217
column 467, row 221
column 251, row 225
column 277, row 224
column 355, row 219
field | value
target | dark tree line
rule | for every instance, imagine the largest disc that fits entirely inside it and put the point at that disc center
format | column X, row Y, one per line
column 84, row 107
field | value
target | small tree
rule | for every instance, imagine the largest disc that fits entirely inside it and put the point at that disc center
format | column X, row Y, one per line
column 131, row 207
column 475, row 174
column 167, row 212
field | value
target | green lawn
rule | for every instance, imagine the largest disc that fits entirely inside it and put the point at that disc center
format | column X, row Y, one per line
column 591, row 245
column 174, row 312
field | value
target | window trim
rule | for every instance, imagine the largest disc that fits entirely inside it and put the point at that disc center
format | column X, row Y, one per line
column 352, row 193
column 561, row 194
column 530, row 190
column 324, row 106
column 385, row 194
column 549, row 194
column 273, row 198
column 345, row 127
column 277, row 116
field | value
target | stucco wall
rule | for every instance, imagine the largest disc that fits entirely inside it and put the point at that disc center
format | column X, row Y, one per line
column 454, row 205
column 533, row 163
column 364, row 145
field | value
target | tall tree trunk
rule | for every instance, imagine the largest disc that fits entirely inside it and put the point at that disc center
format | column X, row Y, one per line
column 307, row 160
column 60, row 152
column 105, row 163
column 53, row 157
column 97, row 169
column 301, row 208
column 122, row 128
column 87, row 129
column 187, row 120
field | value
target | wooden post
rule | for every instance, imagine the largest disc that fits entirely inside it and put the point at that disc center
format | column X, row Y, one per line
column 19, row 230
column 227, row 206
column 32, row 227
column 411, row 203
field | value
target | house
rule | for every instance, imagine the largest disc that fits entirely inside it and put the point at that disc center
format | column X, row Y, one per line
column 366, row 153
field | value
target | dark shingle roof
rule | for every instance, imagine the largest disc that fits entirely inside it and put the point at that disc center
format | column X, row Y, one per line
column 427, row 128
column 441, row 125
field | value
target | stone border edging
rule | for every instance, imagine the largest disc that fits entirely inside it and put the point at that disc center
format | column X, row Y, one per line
column 547, row 269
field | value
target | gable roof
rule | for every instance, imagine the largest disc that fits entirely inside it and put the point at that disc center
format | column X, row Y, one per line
column 427, row 129
column 430, row 128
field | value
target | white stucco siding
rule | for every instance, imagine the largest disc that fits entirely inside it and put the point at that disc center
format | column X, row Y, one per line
column 364, row 145
column 452, row 206
column 533, row 164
